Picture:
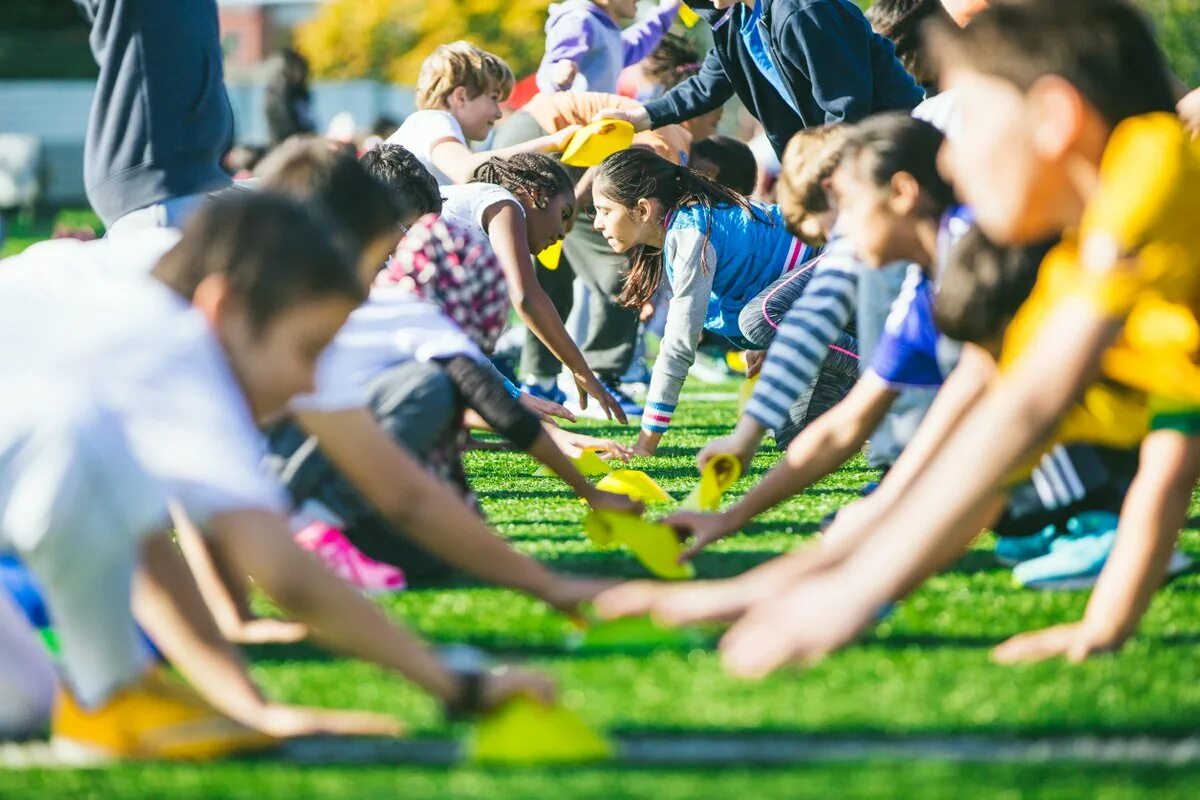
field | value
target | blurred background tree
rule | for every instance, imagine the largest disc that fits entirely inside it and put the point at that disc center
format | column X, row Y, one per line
column 388, row 39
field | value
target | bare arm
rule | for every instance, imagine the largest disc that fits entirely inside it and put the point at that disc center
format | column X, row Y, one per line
column 459, row 162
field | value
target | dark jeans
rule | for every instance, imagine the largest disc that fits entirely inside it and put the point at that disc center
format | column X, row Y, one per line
column 759, row 322
column 418, row 405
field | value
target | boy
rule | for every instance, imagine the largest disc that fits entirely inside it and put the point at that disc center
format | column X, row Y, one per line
column 727, row 161
column 794, row 64
column 268, row 292
column 586, row 48
column 459, row 91
column 1064, row 106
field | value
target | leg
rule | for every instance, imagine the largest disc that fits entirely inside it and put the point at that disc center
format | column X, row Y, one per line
column 760, row 318
column 835, row 379
column 74, row 509
column 613, row 329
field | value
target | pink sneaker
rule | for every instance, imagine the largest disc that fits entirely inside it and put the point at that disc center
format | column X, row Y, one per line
column 346, row 561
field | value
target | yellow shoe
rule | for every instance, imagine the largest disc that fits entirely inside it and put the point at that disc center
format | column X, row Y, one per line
column 152, row 719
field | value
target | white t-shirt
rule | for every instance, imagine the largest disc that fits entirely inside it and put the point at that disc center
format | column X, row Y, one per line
column 421, row 131
column 467, row 203
column 940, row 111
column 81, row 313
column 393, row 327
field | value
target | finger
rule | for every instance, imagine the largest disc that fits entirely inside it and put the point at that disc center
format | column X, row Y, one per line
column 635, row 597
column 713, row 602
column 1026, row 648
column 691, row 551
column 563, row 412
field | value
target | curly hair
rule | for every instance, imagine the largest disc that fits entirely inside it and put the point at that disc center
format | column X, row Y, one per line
column 537, row 175
column 674, row 60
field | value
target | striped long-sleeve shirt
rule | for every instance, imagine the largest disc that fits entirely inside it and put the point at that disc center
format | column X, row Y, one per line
column 805, row 333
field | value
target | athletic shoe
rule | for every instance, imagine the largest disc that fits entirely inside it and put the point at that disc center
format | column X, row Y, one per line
column 628, row 404
column 346, row 561
column 595, row 411
column 1013, row 550
column 152, row 719
column 553, row 394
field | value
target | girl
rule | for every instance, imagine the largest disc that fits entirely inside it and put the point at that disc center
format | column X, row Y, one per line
column 716, row 249
column 524, row 204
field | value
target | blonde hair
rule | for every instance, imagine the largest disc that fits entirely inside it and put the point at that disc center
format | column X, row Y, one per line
column 461, row 64
column 808, row 160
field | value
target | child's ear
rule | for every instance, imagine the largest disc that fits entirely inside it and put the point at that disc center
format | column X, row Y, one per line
column 905, row 193
column 457, row 97
column 211, row 298
column 644, row 210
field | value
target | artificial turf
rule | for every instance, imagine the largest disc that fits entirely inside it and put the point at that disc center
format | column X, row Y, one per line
column 923, row 671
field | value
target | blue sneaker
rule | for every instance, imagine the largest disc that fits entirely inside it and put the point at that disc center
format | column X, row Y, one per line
column 630, row 406
column 1075, row 558
column 553, row 394
column 1013, row 550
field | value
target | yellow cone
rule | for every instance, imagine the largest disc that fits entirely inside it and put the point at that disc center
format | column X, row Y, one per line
column 596, row 141
column 525, row 732
column 550, row 257
column 688, row 17
column 720, row 473
column 635, row 484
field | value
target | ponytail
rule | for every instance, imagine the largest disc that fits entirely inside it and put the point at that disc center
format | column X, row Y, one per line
column 639, row 174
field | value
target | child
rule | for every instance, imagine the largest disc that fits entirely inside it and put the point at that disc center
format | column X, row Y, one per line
column 586, row 48
column 794, row 64
column 98, row 460
column 716, row 249
column 727, row 161
column 524, row 204
column 459, row 91
column 1092, row 312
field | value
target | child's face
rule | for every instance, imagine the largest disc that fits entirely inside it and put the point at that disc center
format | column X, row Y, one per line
column 705, row 125
column 476, row 115
column 545, row 226
column 1005, row 160
column 624, row 228
column 706, row 168
column 868, row 215
column 277, row 363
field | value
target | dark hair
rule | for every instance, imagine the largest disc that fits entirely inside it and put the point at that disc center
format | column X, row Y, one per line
column 398, row 169
column 274, row 251
column 674, row 60
column 639, row 174
column 308, row 168
column 982, row 285
column 901, row 21
column 537, row 175
column 736, row 166
column 887, row 144
column 1104, row 48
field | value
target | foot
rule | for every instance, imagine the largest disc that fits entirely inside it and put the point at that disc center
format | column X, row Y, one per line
column 1013, row 550
column 348, row 562
column 152, row 719
column 540, row 391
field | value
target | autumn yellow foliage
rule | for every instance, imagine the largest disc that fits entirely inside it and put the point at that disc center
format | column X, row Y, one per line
column 387, row 40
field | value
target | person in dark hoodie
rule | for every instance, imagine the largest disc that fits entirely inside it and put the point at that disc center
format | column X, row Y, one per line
column 795, row 64
column 160, row 118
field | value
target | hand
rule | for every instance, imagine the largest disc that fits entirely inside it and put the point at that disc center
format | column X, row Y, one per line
column 563, row 73
column 646, row 313
column 567, row 594
column 702, row 529
column 1189, row 111
column 505, row 682
column 589, row 385
column 1071, row 640
column 545, row 409
column 607, row 501
column 562, row 138
column 573, row 444
column 637, row 117
column 289, row 721
column 678, row 603
column 754, row 362
column 268, row 631
column 734, row 444
column 818, row 615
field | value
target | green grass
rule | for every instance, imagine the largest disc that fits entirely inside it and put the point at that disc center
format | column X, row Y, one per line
column 28, row 229
column 924, row 671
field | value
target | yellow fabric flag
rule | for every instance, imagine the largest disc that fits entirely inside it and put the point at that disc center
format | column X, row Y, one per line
column 588, row 462
column 635, row 484
column 596, row 141
column 525, row 732
column 654, row 544
column 745, row 391
column 688, row 17
column 720, row 473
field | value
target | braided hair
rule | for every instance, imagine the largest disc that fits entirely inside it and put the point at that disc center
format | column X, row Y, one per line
column 674, row 60
column 537, row 175
column 640, row 174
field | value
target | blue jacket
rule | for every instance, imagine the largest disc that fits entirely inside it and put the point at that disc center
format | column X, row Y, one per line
column 751, row 253
column 838, row 69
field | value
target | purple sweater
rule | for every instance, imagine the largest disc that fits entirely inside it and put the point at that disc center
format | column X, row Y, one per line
column 581, row 31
